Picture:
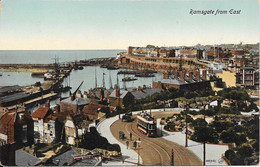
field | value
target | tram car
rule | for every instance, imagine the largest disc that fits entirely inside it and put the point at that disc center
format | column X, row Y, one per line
column 146, row 124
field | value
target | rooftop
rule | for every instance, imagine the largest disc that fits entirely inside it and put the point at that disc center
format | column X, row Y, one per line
column 41, row 112
column 77, row 101
column 23, row 158
column 13, row 97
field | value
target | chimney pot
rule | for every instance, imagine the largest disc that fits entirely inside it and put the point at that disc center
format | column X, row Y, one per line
column 165, row 75
column 72, row 97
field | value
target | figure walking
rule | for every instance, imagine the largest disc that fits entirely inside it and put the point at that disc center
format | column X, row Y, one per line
column 127, row 144
column 134, row 144
column 130, row 136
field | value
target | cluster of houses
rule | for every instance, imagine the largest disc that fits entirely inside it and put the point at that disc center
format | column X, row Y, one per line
column 69, row 119
column 240, row 59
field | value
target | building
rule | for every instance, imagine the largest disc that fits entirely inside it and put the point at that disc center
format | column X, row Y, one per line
column 16, row 126
column 191, row 53
column 191, row 82
column 95, row 111
column 138, row 93
column 73, row 104
column 75, row 126
column 48, row 126
column 248, row 77
column 121, row 98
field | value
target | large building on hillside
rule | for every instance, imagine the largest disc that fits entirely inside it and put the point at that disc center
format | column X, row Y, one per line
column 248, row 77
column 179, row 80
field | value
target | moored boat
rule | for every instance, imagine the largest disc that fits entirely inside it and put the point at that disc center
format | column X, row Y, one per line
column 129, row 79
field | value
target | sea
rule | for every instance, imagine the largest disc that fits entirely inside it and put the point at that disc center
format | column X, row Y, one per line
column 76, row 76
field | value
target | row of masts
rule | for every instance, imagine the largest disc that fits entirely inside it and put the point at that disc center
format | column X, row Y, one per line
column 103, row 80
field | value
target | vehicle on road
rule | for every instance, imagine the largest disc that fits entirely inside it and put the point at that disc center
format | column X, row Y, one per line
column 127, row 117
column 146, row 124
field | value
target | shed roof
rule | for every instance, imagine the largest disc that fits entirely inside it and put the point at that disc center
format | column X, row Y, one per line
column 13, row 97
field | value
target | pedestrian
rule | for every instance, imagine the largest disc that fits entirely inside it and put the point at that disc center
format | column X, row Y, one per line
column 127, row 143
column 134, row 144
column 130, row 136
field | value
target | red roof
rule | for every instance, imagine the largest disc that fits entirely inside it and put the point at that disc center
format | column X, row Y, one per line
column 92, row 108
column 41, row 113
column 7, row 124
column 61, row 116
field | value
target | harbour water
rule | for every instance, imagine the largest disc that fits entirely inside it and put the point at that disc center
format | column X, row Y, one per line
column 47, row 56
column 87, row 74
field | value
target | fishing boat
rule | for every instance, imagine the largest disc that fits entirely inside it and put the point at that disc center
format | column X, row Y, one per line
column 129, row 79
column 144, row 75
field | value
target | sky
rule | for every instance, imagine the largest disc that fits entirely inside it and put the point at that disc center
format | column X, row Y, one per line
column 114, row 24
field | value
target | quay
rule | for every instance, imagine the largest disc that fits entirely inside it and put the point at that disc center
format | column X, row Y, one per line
column 158, row 64
column 31, row 102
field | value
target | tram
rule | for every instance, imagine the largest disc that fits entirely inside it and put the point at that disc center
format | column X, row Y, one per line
column 146, row 124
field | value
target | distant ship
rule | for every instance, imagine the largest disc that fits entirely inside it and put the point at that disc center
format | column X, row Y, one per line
column 129, row 79
column 144, row 75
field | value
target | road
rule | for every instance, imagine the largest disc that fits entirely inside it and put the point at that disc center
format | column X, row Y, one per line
column 155, row 151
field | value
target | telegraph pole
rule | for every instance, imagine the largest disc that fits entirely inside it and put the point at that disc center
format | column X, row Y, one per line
column 172, row 158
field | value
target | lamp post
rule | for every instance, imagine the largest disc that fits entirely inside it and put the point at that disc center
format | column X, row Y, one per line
column 138, row 151
column 172, row 158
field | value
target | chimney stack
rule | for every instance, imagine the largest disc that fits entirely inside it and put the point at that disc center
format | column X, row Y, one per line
column 175, row 73
column 47, row 104
column 182, row 76
column 197, row 75
column 190, row 76
column 78, row 94
column 166, row 75
column 117, row 93
column 139, row 88
column 144, row 86
column 85, row 95
column 101, row 94
column 57, row 108
column 204, row 74
column 107, row 96
column 72, row 98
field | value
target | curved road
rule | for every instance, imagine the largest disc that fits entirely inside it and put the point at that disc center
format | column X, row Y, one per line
column 155, row 151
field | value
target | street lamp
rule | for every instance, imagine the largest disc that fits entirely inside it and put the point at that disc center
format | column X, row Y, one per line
column 138, row 142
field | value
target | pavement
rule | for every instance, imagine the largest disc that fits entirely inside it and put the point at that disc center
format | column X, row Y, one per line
column 213, row 151
column 128, row 155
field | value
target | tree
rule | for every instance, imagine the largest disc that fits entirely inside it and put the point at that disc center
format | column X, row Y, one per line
column 230, row 154
column 170, row 126
column 244, row 150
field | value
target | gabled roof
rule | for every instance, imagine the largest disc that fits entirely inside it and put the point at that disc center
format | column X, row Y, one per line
column 77, row 101
column 147, row 92
column 123, row 93
column 92, row 108
column 41, row 113
column 61, row 116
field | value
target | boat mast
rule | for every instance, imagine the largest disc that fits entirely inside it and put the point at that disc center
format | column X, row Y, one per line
column 95, row 78
column 110, row 81
column 104, row 80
